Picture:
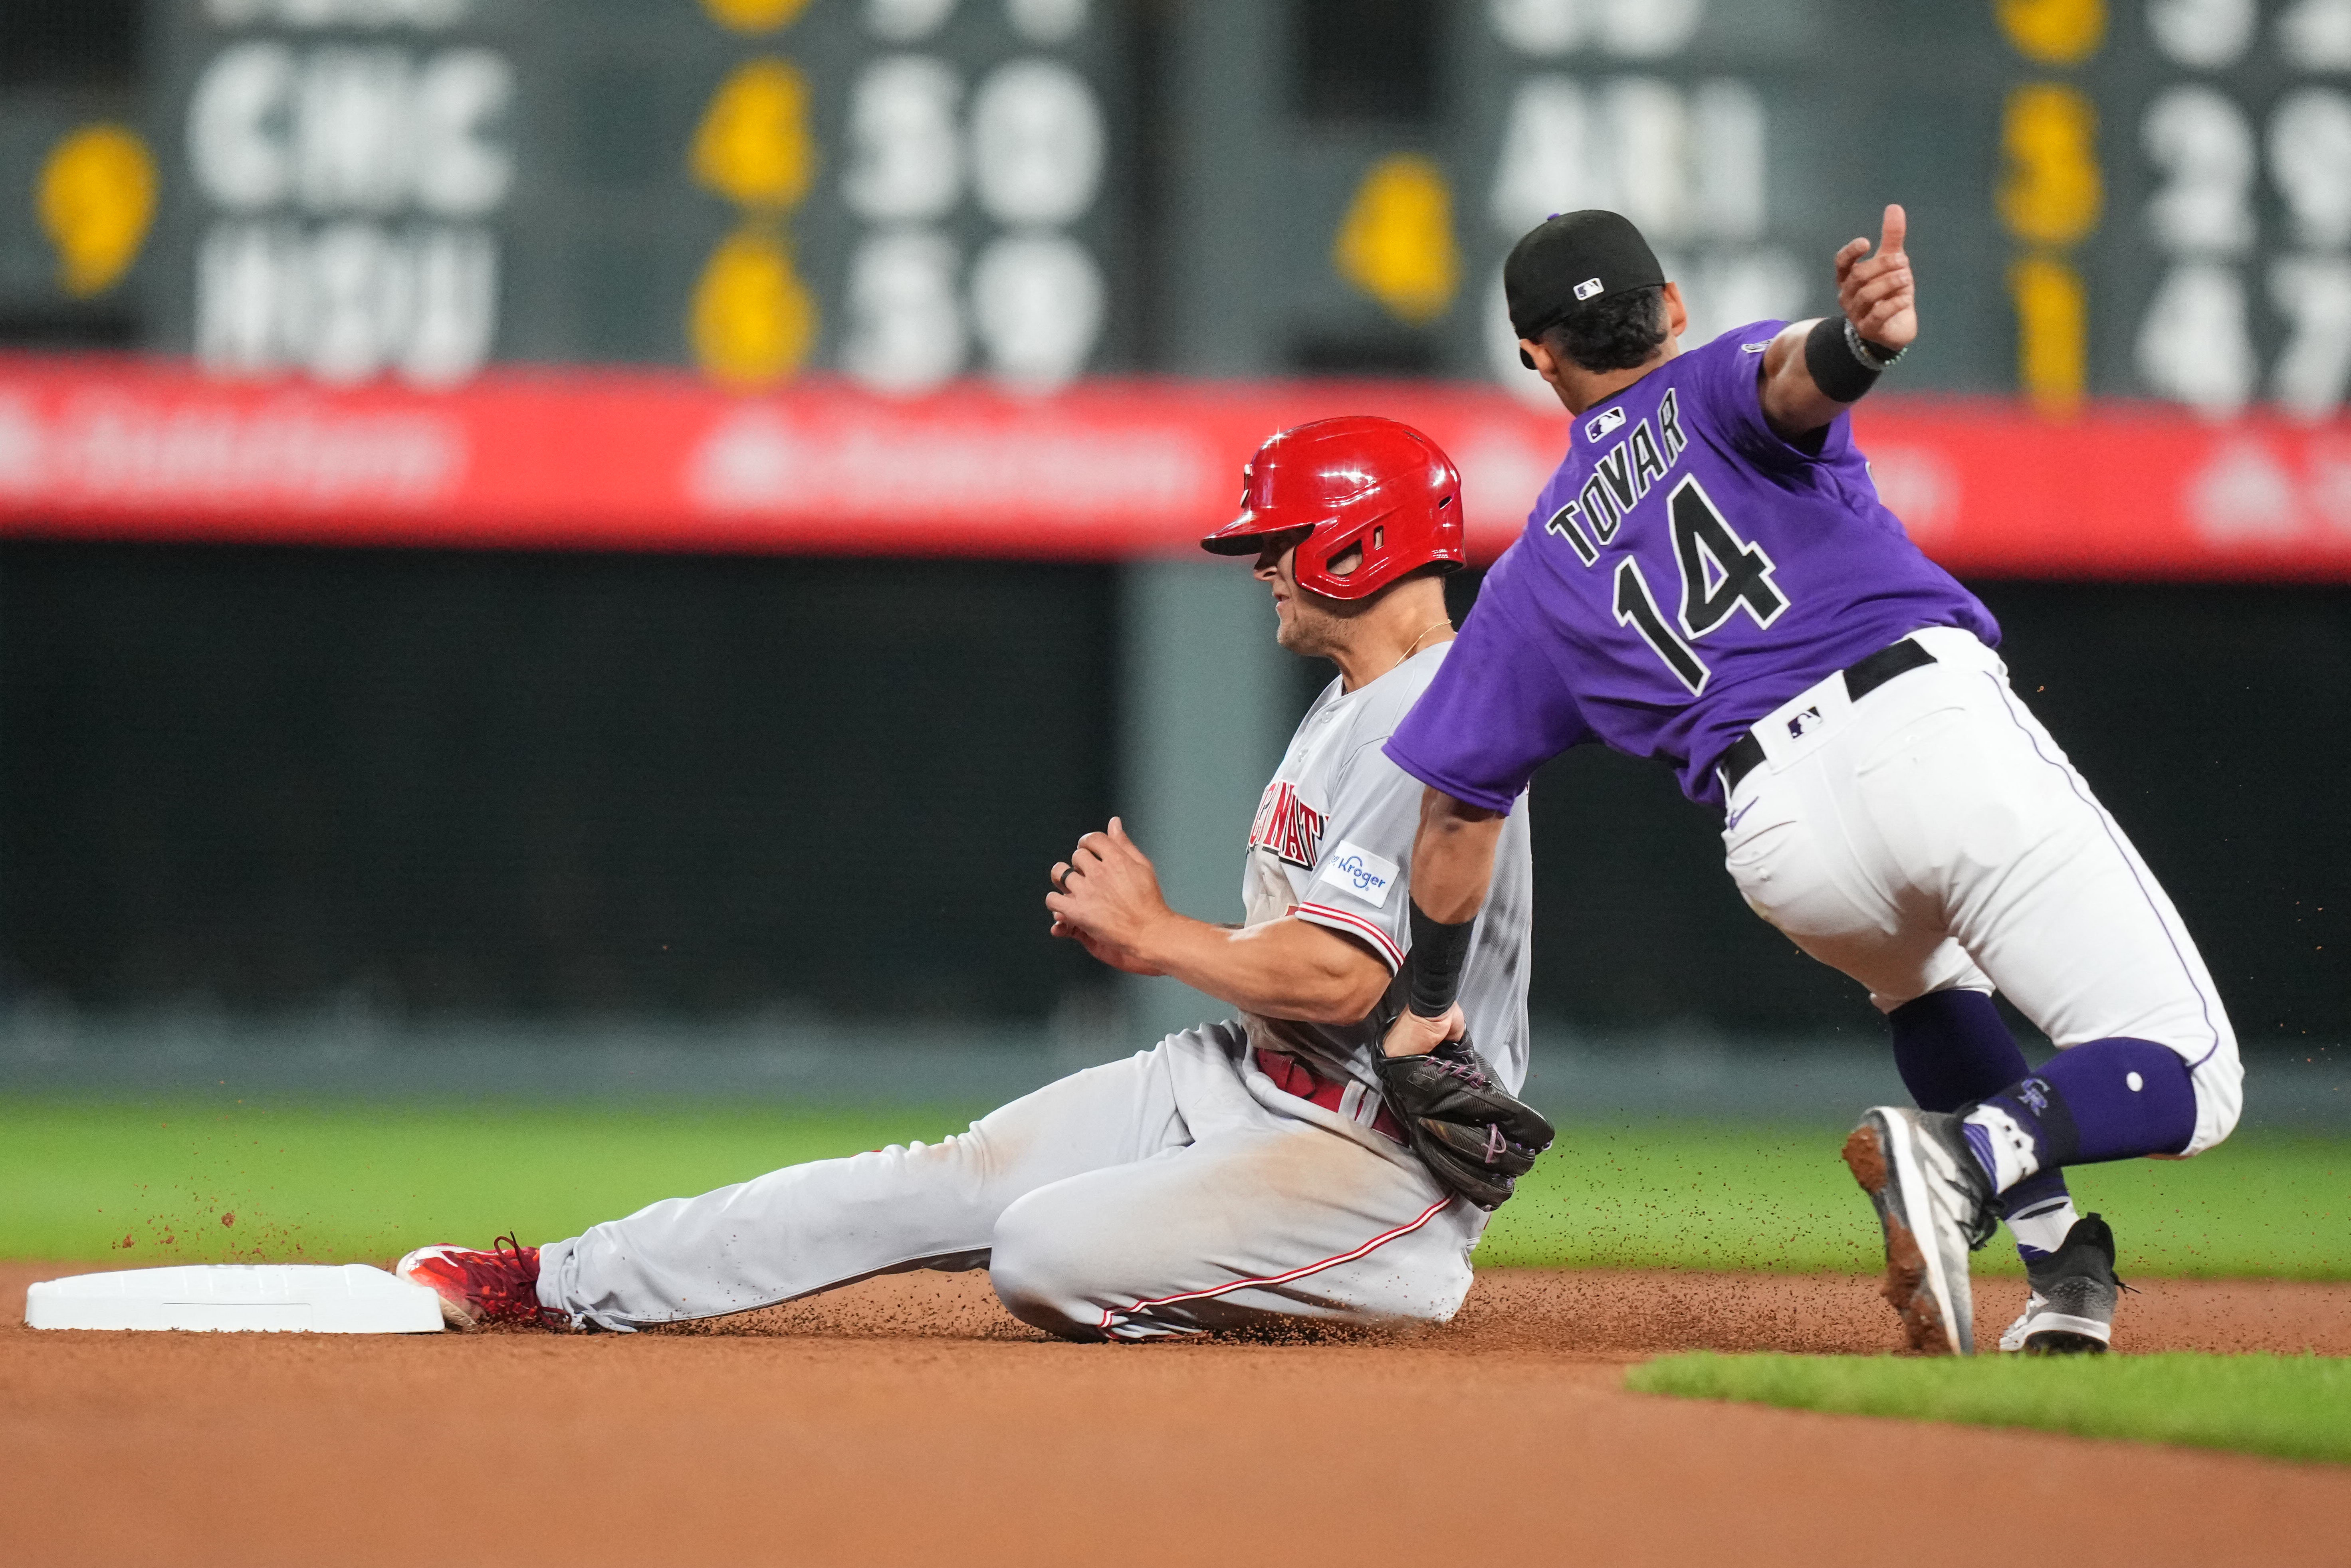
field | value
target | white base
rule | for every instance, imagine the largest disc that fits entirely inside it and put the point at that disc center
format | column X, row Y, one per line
column 287, row 1298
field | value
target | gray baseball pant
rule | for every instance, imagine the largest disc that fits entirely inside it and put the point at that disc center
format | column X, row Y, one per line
column 1175, row 1192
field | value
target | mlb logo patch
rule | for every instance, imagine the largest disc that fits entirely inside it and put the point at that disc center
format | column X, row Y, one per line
column 1587, row 288
column 1803, row 723
column 1593, row 429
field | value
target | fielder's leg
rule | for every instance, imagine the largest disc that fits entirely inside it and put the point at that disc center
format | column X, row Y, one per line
column 1937, row 822
column 1938, row 817
column 1988, row 817
column 1952, row 1049
column 2049, row 894
column 1807, row 858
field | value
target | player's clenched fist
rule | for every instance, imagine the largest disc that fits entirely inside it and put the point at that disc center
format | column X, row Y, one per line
column 1106, row 895
column 1877, row 293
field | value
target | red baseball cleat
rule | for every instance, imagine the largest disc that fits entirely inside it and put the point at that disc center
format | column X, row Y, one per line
column 477, row 1288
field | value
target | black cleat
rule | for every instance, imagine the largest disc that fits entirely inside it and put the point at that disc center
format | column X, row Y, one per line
column 2071, row 1308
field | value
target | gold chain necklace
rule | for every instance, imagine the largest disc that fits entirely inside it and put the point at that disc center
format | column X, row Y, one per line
column 1414, row 646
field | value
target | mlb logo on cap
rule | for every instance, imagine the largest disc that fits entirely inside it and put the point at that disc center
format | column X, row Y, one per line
column 1603, row 249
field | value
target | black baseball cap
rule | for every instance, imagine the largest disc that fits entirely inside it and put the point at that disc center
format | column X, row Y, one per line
column 1570, row 260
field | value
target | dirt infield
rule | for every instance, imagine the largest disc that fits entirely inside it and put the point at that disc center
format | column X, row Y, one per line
column 909, row 1419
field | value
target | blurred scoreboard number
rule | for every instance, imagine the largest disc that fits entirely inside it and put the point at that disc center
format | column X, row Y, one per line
column 2249, row 142
column 902, row 190
column 2175, row 176
column 1610, row 106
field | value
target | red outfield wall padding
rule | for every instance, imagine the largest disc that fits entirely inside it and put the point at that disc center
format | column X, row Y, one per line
column 102, row 447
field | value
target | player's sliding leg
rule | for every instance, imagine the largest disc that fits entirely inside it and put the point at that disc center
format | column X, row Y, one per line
column 809, row 1227
column 1265, row 1220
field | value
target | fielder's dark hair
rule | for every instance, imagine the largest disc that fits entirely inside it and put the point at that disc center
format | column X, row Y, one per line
column 1614, row 334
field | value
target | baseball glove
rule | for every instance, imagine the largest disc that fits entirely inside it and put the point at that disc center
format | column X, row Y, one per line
column 1476, row 1137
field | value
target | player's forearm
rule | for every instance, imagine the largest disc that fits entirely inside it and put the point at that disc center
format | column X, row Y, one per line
column 1453, row 856
column 1794, row 403
column 1285, row 968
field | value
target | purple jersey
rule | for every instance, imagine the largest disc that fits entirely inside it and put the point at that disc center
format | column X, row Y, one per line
column 1685, row 573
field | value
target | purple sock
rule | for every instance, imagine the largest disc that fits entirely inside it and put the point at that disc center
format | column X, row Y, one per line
column 2105, row 1100
column 1952, row 1049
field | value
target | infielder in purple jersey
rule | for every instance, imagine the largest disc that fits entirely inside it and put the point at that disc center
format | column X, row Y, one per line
column 1711, row 580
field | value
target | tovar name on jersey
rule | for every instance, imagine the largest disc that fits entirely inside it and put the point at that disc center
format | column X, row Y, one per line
column 1620, row 477
column 1286, row 826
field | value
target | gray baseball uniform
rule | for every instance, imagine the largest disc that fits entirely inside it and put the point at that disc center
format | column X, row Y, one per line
column 1233, row 1173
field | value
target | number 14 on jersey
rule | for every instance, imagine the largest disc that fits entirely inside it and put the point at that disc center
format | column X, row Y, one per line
column 1720, row 573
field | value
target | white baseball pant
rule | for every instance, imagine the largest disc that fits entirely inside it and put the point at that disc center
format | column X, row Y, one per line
column 1933, row 836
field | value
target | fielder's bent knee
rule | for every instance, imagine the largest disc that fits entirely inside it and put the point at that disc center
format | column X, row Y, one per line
column 2220, row 1080
column 2217, row 1073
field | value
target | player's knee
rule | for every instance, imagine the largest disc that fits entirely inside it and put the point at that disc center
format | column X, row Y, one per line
column 1038, row 1266
column 2216, row 1073
column 2220, row 1098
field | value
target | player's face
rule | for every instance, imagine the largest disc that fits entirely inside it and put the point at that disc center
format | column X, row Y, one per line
column 1276, row 561
column 1308, row 624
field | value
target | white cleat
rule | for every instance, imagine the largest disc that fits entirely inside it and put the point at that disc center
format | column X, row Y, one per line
column 1934, row 1207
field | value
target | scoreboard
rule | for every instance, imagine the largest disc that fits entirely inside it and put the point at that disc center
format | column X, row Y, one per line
column 894, row 226
column 2134, row 199
column 2109, row 198
column 905, row 189
column 2118, row 199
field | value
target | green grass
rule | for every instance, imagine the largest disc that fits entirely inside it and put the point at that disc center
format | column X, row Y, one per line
column 2288, row 1407
column 354, row 1179
column 1733, row 1195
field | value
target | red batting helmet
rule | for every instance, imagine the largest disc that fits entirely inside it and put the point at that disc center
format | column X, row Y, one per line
column 1360, row 480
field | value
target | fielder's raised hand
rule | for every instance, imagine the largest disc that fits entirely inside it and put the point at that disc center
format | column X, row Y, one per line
column 1877, row 293
column 1815, row 370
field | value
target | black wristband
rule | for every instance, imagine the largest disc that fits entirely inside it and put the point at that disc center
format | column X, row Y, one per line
column 1838, row 371
column 1438, row 951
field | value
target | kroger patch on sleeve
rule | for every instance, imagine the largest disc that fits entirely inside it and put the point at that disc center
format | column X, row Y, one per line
column 1359, row 873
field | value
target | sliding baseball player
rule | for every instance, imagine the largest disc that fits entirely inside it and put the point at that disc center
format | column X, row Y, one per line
column 1277, row 1165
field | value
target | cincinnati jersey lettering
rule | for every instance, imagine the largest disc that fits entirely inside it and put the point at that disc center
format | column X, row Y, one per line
column 1286, row 826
